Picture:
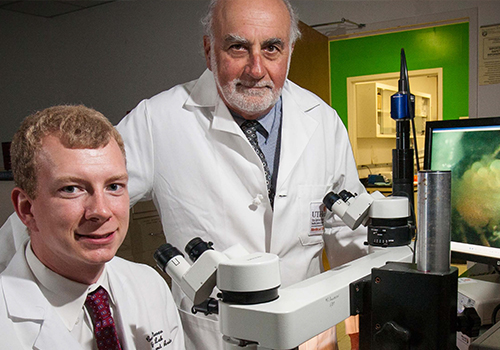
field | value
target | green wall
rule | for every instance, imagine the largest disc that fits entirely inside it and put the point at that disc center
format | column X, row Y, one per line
column 444, row 46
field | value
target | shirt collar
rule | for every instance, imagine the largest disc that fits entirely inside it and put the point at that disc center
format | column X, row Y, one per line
column 267, row 121
column 66, row 296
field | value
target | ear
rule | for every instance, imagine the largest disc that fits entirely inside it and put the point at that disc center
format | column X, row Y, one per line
column 24, row 208
column 207, row 50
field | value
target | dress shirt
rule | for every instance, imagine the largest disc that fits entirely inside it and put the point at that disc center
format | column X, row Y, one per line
column 68, row 298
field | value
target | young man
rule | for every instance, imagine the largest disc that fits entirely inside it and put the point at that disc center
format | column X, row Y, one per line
column 65, row 289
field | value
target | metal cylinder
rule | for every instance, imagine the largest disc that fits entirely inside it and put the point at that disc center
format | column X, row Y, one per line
column 434, row 221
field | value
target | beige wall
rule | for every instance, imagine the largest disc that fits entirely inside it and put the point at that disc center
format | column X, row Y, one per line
column 310, row 64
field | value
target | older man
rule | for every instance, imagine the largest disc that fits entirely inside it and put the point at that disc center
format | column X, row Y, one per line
column 65, row 289
column 242, row 155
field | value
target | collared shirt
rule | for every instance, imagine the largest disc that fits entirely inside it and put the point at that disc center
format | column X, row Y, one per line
column 268, row 136
column 68, row 299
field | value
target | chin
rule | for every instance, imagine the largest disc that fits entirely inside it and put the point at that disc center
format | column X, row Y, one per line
column 101, row 257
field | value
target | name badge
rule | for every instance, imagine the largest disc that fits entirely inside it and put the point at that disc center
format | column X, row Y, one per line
column 317, row 215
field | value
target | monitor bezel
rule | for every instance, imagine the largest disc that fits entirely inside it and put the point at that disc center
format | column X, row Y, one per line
column 459, row 250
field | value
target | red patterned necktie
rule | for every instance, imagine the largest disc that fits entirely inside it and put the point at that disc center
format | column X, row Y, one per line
column 104, row 325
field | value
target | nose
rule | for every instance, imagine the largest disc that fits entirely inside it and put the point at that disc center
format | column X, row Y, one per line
column 97, row 208
column 255, row 67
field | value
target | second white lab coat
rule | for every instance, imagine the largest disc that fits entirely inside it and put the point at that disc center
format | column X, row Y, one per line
column 145, row 310
column 185, row 151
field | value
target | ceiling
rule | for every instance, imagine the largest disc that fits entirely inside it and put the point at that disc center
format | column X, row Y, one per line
column 48, row 9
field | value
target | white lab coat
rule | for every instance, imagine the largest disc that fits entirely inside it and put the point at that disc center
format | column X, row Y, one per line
column 185, row 151
column 13, row 235
column 144, row 307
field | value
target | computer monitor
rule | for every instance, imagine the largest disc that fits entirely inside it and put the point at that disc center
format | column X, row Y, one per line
column 470, row 148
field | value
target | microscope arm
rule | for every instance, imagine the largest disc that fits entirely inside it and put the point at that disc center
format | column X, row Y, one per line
column 305, row 309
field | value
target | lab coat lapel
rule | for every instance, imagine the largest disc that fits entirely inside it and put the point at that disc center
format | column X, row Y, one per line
column 205, row 98
column 297, row 129
column 204, row 92
column 230, row 140
column 25, row 301
column 55, row 336
column 204, row 95
column 297, row 125
column 128, row 308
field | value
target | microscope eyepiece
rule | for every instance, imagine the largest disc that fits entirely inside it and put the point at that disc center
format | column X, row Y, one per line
column 196, row 247
column 330, row 199
column 164, row 254
column 346, row 195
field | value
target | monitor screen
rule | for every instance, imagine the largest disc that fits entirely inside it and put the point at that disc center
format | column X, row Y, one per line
column 470, row 148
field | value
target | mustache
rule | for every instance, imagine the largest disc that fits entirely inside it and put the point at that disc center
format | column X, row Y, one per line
column 254, row 84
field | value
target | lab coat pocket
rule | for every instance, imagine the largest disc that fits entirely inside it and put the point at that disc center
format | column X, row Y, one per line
column 312, row 213
column 201, row 332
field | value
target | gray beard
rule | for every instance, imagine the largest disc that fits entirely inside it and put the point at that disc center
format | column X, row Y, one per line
column 247, row 101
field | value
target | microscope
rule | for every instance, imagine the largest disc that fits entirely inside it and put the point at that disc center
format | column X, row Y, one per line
column 402, row 305
column 254, row 312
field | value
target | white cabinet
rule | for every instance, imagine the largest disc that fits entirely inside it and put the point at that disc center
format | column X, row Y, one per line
column 422, row 112
column 373, row 107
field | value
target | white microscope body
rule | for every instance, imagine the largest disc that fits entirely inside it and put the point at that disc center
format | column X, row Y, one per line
column 253, row 312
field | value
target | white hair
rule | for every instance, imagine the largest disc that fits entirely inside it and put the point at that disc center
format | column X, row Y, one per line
column 207, row 21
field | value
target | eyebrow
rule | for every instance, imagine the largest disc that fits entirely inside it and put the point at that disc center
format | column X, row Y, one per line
column 234, row 38
column 273, row 41
column 66, row 179
column 120, row 177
